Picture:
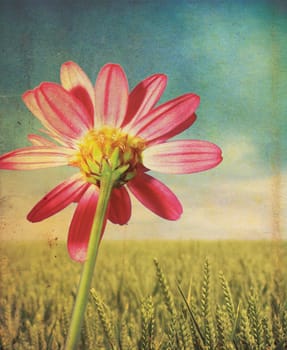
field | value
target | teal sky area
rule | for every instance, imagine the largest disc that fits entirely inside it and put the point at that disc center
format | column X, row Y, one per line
column 231, row 53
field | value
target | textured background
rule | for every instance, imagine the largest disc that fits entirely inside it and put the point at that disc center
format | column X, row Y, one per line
column 232, row 53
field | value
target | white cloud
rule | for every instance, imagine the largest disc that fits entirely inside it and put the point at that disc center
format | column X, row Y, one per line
column 238, row 148
column 240, row 156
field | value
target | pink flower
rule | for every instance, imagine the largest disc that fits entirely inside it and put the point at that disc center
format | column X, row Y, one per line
column 107, row 123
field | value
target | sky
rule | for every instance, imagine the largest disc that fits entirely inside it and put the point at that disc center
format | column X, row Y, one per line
column 231, row 53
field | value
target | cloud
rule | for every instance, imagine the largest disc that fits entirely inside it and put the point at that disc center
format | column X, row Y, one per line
column 240, row 208
column 239, row 150
column 241, row 157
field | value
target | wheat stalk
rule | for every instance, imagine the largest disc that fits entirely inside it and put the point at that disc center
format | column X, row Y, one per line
column 106, row 323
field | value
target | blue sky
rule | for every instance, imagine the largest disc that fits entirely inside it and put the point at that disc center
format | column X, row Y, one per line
column 232, row 53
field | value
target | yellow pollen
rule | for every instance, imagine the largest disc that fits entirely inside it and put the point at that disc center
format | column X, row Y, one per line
column 107, row 145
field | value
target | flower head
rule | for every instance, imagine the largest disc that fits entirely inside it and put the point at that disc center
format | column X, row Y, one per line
column 95, row 127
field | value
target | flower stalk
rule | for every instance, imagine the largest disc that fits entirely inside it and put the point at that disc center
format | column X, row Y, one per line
column 106, row 185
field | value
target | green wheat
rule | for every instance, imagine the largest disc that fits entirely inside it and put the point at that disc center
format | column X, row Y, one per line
column 172, row 303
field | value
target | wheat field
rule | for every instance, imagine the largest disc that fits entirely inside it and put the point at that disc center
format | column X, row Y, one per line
column 148, row 295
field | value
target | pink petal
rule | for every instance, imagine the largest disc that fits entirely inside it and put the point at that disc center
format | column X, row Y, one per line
column 144, row 97
column 154, row 195
column 111, row 94
column 75, row 80
column 59, row 198
column 29, row 98
column 62, row 110
column 81, row 225
column 186, row 123
column 60, row 139
column 167, row 118
column 38, row 140
column 120, row 206
column 35, row 157
column 182, row 157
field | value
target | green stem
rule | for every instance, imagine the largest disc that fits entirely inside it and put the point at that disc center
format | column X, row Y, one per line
column 107, row 182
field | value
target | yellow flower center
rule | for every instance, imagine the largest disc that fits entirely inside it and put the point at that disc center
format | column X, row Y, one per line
column 112, row 147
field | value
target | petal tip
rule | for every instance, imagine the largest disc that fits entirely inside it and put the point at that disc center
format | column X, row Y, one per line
column 27, row 95
column 32, row 217
column 112, row 65
column 77, row 254
column 69, row 63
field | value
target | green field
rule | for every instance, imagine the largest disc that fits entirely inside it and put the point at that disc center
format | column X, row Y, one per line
column 148, row 295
